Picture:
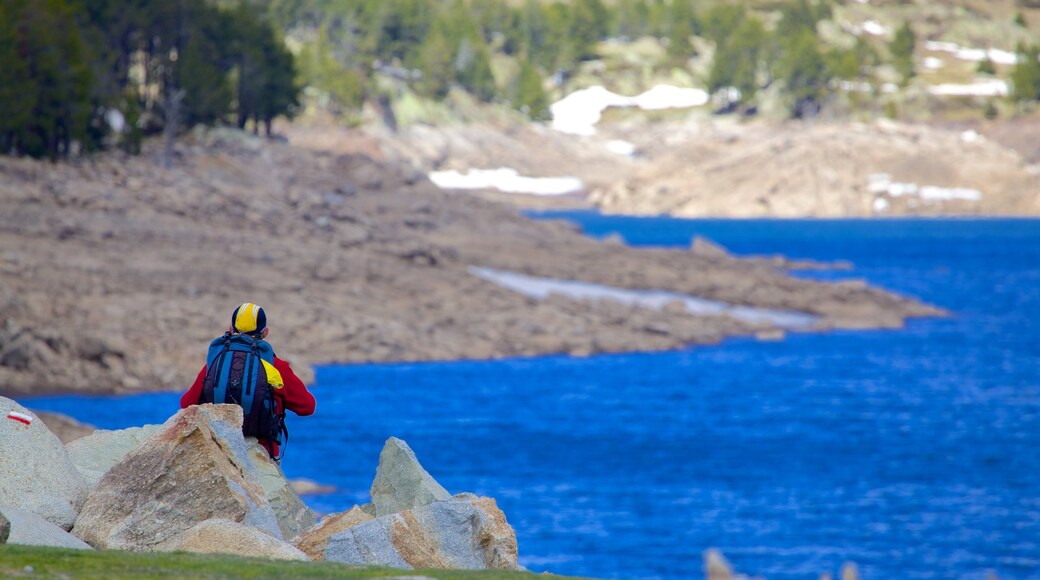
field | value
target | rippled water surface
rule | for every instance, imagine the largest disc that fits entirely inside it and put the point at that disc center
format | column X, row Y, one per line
column 915, row 453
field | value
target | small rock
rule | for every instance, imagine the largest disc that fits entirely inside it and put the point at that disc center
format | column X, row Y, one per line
column 716, row 567
column 308, row 487
column 314, row 541
column 849, row 571
column 401, row 482
column 702, row 246
column 28, row 529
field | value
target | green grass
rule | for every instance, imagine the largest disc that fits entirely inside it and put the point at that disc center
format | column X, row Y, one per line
column 37, row 562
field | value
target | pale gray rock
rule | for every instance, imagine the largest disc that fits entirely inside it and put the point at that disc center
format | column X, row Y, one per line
column 293, row 515
column 401, row 483
column 315, row 540
column 460, row 533
column 716, row 567
column 219, row 536
column 29, row 529
column 196, row 468
column 66, row 428
column 36, row 473
column 95, row 454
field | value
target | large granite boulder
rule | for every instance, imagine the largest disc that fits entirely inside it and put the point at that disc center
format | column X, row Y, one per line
column 196, row 468
column 29, row 529
column 228, row 537
column 293, row 515
column 463, row 532
column 401, row 483
column 96, row 453
column 314, row 540
column 36, row 473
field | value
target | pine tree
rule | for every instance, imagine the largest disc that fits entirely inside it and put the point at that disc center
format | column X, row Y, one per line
column 737, row 60
column 902, row 48
column 682, row 26
column 804, row 73
column 530, row 96
column 1025, row 77
column 436, row 62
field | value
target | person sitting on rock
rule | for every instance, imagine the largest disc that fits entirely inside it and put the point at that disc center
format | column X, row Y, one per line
column 241, row 369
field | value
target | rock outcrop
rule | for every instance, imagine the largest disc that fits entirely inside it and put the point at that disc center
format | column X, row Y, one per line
column 418, row 524
column 227, row 537
column 29, row 529
column 196, row 468
column 401, row 483
column 96, row 453
column 469, row 533
column 36, row 473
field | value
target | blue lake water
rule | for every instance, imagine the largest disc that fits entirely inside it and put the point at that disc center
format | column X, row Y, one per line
column 914, row 453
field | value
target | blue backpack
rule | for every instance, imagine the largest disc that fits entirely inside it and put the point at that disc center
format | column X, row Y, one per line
column 240, row 371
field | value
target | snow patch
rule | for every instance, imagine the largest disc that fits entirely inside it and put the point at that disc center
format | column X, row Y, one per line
column 621, row 147
column 982, row 88
column 578, row 112
column 882, row 184
column 933, row 63
column 874, row 28
column 541, row 288
column 973, row 54
column 506, row 180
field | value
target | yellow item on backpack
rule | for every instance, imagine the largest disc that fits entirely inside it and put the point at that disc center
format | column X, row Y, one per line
column 274, row 378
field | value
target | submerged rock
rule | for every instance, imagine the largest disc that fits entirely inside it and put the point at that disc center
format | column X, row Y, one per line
column 196, row 468
column 29, row 529
column 36, row 473
column 401, row 482
column 219, row 536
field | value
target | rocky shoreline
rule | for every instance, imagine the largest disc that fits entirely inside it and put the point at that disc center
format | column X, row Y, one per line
column 118, row 272
column 196, row 484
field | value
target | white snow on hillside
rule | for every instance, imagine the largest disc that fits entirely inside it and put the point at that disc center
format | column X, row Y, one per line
column 621, row 147
column 882, row 184
column 874, row 28
column 981, row 88
column 506, row 180
column 578, row 112
column 973, row 54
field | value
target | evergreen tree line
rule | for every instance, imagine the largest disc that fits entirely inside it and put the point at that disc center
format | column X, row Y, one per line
column 97, row 73
column 450, row 43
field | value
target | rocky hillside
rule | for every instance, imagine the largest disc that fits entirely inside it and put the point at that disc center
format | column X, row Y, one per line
column 701, row 167
column 117, row 272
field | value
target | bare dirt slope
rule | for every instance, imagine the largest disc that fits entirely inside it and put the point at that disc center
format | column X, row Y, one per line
column 116, row 273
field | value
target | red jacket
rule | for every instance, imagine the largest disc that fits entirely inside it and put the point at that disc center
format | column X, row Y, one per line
column 293, row 396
